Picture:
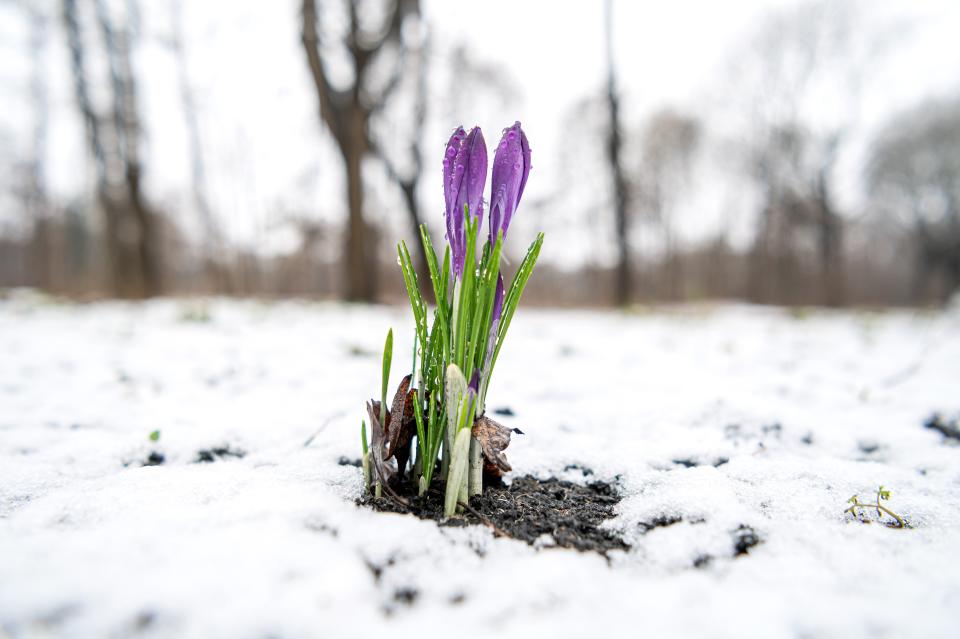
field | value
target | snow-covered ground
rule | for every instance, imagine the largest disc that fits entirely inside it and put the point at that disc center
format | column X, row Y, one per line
column 807, row 408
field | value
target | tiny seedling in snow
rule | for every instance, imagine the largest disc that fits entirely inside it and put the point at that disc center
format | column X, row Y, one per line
column 442, row 401
column 858, row 507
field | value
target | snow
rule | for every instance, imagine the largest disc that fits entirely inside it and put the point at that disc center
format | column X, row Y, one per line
column 93, row 544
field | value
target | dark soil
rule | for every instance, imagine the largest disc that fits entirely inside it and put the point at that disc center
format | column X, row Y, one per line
column 527, row 509
column 586, row 472
column 694, row 463
column 207, row 455
column 660, row 521
column 744, row 538
column 949, row 428
column 154, row 459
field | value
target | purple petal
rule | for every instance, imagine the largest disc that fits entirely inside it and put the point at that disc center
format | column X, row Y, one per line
column 449, row 155
column 450, row 188
column 468, row 178
column 473, row 157
column 474, row 384
column 498, row 299
column 525, row 153
column 495, row 323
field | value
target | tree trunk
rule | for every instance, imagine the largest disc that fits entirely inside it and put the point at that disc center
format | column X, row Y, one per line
column 832, row 288
column 623, row 285
column 123, row 254
column 359, row 282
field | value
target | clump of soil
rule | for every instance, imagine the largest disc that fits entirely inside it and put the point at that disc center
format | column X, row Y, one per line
column 744, row 538
column 689, row 462
column 949, row 428
column 154, row 459
column 550, row 512
column 660, row 521
column 207, row 455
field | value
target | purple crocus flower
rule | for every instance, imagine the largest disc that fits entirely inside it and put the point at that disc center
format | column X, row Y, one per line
column 511, row 166
column 464, row 178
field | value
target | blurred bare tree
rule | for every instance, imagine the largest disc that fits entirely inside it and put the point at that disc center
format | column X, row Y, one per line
column 404, row 165
column 800, row 55
column 113, row 139
column 667, row 147
column 623, row 285
column 198, row 172
column 373, row 38
column 34, row 191
column 914, row 178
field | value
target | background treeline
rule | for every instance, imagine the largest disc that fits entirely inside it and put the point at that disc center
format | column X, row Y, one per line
column 780, row 149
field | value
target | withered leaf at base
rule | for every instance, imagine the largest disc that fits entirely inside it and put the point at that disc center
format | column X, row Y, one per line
column 494, row 438
column 383, row 470
column 401, row 424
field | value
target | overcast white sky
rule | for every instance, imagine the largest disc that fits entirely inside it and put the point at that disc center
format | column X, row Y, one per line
column 267, row 153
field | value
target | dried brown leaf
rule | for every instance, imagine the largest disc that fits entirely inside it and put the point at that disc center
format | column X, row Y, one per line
column 494, row 438
column 383, row 471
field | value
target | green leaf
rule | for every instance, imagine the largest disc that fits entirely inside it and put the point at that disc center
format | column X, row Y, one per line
column 445, row 327
column 512, row 298
column 465, row 296
column 439, row 293
column 385, row 378
column 413, row 292
column 155, row 436
column 455, row 389
column 487, row 291
column 421, row 429
column 458, row 471
column 436, row 427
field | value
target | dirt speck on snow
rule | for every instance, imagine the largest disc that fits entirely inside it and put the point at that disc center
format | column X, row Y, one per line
column 949, row 428
column 744, row 538
column 154, row 459
column 207, row 455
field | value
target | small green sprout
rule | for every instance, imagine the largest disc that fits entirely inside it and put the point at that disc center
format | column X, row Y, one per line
column 385, row 379
column 155, row 436
column 857, row 508
column 365, row 460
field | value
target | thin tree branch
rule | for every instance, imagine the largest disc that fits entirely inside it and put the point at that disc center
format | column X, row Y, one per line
column 330, row 99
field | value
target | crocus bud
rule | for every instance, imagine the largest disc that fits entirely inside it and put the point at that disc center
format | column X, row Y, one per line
column 464, row 178
column 511, row 166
